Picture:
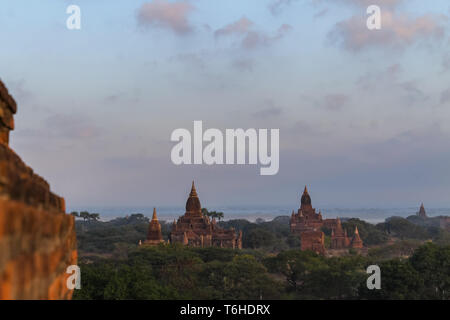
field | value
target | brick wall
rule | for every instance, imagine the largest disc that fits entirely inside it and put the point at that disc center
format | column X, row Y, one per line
column 37, row 237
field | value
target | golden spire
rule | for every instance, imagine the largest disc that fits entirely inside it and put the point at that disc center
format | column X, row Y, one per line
column 356, row 230
column 154, row 218
column 305, row 191
column 193, row 191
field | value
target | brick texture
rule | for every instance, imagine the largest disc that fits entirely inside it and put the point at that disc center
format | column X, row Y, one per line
column 37, row 237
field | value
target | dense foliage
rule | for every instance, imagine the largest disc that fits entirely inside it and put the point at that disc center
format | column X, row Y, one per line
column 414, row 257
column 177, row 272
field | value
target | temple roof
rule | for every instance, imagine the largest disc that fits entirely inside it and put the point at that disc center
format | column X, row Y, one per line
column 306, row 199
column 193, row 206
column 422, row 212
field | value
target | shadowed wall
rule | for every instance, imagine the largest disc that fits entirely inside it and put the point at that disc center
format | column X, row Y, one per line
column 37, row 238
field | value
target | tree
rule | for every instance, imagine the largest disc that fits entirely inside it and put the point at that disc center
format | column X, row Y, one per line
column 257, row 237
column 243, row 278
column 218, row 215
column 85, row 215
column 94, row 216
column 212, row 214
column 75, row 214
column 399, row 281
column 296, row 266
column 433, row 264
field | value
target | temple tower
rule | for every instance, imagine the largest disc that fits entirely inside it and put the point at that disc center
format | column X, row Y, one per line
column 422, row 213
column 193, row 206
column 198, row 230
column 356, row 241
column 305, row 200
column 154, row 235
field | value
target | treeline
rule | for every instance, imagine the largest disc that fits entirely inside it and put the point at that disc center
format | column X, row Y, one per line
column 177, row 272
column 117, row 236
column 86, row 216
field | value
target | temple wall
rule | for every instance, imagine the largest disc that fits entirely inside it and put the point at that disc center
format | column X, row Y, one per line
column 37, row 237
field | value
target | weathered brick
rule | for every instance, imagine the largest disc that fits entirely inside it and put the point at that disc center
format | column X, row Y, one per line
column 37, row 237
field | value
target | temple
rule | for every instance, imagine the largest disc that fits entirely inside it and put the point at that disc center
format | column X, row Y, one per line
column 422, row 213
column 197, row 230
column 307, row 224
column 154, row 235
column 37, row 238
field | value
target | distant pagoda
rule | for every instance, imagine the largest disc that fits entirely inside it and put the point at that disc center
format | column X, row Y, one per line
column 307, row 224
column 356, row 240
column 154, row 235
column 198, row 230
column 422, row 213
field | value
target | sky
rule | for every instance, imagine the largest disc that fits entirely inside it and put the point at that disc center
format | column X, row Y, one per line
column 363, row 115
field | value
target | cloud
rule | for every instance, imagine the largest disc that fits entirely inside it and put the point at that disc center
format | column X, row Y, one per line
column 72, row 127
column 241, row 26
column 251, row 38
column 389, row 83
column 192, row 59
column 445, row 96
column 397, row 30
column 334, row 102
column 380, row 3
column 243, row 64
column 18, row 89
column 321, row 13
column 165, row 14
column 446, row 62
column 413, row 93
column 255, row 39
column 277, row 6
column 269, row 110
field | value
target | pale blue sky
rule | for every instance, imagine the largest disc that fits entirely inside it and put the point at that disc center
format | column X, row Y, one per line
column 363, row 122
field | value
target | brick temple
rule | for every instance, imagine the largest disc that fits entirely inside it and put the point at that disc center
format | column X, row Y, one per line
column 197, row 230
column 37, row 238
column 422, row 213
column 154, row 235
column 307, row 224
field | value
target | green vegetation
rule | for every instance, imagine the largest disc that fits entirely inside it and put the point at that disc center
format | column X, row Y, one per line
column 86, row 215
column 115, row 237
column 414, row 259
column 177, row 272
column 213, row 214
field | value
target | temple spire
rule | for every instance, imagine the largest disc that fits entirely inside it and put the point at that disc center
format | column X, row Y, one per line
column 193, row 191
column 356, row 230
column 154, row 217
column 306, row 200
column 193, row 206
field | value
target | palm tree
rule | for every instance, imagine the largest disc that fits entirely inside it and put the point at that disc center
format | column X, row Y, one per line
column 94, row 216
column 219, row 215
column 85, row 215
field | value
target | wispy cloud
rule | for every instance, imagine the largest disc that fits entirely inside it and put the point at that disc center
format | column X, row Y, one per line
column 251, row 38
column 445, row 96
column 397, row 31
column 333, row 102
column 64, row 126
column 243, row 64
column 268, row 110
column 276, row 6
column 241, row 26
column 165, row 14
